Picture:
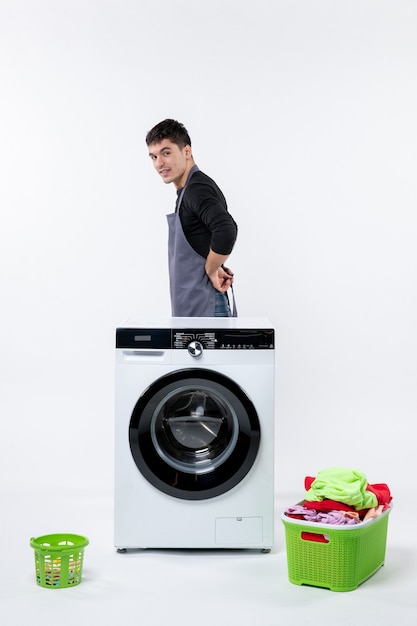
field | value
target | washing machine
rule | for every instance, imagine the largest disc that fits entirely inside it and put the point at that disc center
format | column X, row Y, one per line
column 194, row 434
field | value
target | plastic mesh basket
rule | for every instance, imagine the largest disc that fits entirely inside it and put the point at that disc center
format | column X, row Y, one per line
column 59, row 560
column 339, row 558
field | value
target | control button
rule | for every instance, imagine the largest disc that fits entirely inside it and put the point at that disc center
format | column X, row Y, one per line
column 195, row 348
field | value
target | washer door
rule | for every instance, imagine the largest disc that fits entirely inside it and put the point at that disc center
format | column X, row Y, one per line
column 194, row 434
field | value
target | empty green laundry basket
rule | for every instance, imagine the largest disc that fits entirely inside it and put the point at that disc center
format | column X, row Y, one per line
column 59, row 560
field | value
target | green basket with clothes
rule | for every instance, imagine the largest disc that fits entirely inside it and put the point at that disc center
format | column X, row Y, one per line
column 339, row 558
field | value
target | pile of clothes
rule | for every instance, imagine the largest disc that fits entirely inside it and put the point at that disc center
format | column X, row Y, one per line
column 339, row 495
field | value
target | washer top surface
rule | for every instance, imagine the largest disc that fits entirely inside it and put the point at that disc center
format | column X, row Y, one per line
column 198, row 322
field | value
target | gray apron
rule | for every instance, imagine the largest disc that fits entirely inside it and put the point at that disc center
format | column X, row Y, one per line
column 192, row 294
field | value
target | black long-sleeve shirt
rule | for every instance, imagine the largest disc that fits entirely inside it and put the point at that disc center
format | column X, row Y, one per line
column 204, row 217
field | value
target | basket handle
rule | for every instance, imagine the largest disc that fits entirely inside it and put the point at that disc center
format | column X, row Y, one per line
column 318, row 537
column 48, row 548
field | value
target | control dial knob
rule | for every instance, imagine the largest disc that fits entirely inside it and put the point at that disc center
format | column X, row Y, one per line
column 195, row 348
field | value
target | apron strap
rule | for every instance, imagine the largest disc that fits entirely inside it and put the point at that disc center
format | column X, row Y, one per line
column 234, row 309
column 190, row 173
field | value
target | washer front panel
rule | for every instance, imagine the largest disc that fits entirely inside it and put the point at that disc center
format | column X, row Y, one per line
column 208, row 444
column 194, row 434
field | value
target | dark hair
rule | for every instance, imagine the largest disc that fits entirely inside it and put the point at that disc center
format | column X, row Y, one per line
column 169, row 129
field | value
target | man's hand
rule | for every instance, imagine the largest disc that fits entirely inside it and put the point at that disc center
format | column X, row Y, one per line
column 221, row 279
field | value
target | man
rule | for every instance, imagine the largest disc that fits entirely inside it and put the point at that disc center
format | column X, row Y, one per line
column 202, row 232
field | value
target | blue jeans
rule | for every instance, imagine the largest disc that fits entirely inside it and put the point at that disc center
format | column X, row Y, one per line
column 221, row 305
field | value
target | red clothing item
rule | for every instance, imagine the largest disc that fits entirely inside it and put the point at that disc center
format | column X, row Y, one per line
column 327, row 505
column 381, row 491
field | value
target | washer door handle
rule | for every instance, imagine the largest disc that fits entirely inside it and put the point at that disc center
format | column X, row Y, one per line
column 195, row 348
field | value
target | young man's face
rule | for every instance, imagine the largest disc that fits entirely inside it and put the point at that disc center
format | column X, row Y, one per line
column 171, row 162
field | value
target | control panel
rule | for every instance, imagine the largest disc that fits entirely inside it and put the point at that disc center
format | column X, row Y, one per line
column 209, row 339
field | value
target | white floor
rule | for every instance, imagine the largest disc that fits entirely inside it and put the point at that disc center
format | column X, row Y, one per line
column 180, row 587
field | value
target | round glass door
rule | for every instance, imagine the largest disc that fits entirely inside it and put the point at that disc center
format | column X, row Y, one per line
column 194, row 434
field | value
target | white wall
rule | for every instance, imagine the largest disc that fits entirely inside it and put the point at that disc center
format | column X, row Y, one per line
column 304, row 113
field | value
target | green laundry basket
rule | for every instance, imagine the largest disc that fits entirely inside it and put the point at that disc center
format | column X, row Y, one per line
column 337, row 557
column 59, row 560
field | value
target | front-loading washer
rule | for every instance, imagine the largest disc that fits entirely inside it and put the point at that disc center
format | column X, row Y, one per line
column 194, row 433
